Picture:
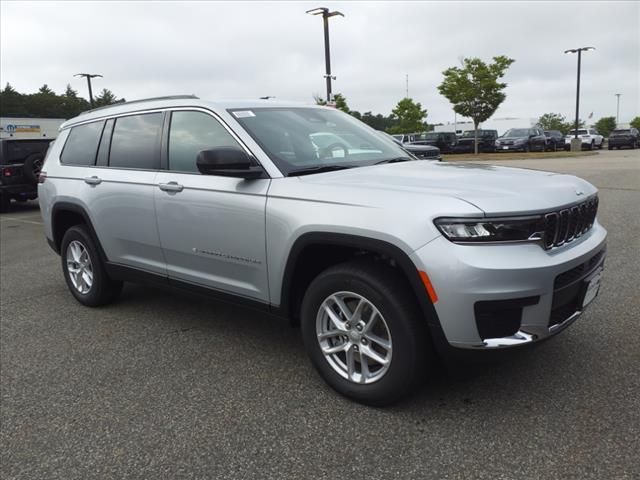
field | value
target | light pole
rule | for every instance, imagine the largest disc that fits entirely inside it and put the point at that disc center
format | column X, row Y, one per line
column 618, row 109
column 327, row 56
column 579, row 52
column 88, row 76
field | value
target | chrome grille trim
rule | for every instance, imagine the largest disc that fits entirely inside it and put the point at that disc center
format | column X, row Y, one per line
column 568, row 224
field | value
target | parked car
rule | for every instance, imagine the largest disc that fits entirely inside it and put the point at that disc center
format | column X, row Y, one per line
column 20, row 164
column 445, row 141
column 523, row 140
column 486, row 141
column 379, row 257
column 590, row 138
column 406, row 137
column 555, row 140
column 425, row 152
column 624, row 138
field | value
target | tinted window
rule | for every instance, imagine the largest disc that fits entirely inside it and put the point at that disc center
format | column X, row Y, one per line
column 103, row 149
column 136, row 142
column 82, row 144
column 189, row 134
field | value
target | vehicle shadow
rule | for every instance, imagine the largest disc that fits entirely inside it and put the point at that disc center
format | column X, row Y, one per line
column 22, row 207
column 496, row 383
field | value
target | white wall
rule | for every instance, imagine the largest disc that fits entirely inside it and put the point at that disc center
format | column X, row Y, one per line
column 11, row 127
column 499, row 124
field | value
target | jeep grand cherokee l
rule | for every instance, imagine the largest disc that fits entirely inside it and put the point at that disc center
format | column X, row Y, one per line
column 624, row 138
column 381, row 259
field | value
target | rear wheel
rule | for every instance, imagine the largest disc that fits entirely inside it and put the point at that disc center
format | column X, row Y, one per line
column 364, row 332
column 83, row 270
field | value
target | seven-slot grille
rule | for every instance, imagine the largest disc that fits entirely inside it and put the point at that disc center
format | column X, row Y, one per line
column 569, row 223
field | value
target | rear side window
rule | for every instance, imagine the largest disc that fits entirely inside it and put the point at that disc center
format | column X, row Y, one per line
column 135, row 142
column 82, row 144
column 189, row 134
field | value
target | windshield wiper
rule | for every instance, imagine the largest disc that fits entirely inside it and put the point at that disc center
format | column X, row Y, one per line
column 317, row 169
column 395, row 160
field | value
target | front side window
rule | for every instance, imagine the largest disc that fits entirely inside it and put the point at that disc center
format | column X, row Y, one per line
column 82, row 144
column 189, row 134
column 135, row 142
column 300, row 138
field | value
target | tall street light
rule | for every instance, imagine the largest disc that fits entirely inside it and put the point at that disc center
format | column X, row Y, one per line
column 579, row 52
column 618, row 109
column 327, row 57
column 88, row 76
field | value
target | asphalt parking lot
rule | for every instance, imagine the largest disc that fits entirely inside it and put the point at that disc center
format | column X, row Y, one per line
column 162, row 385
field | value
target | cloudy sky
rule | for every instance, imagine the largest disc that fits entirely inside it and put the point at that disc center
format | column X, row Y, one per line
column 248, row 50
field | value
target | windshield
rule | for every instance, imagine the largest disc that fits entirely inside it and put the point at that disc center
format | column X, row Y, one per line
column 517, row 132
column 302, row 138
column 580, row 132
column 427, row 136
column 620, row 132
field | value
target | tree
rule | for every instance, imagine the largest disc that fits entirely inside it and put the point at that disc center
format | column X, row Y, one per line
column 635, row 123
column 12, row 103
column 606, row 125
column 408, row 117
column 106, row 97
column 553, row 121
column 474, row 89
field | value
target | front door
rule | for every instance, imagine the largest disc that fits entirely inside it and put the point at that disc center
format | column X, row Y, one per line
column 212, row 228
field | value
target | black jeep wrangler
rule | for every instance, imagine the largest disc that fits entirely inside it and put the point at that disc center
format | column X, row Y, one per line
column 20, row 164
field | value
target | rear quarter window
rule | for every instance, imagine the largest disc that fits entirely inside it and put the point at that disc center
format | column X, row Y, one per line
column 82, row 144
column 135, row 142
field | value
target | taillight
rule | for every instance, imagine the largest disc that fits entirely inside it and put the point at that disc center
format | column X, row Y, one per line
column 42, row 177
column 7, row 172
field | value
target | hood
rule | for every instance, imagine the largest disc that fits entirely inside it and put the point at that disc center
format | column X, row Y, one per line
column 494, row 190
column 511, row 139
column 418, row 147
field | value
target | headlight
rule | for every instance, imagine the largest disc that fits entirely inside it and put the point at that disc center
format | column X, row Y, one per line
column 515, row 229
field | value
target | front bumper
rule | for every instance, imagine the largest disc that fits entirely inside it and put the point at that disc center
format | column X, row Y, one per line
column 484, row 289
column 511, row 148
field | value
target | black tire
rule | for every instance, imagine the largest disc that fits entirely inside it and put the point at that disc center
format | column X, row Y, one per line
column 554, row 147
column 610, row 147
column 526, row 148
column 385, row 288
column 32, row 167
column 5, row 204
column 591, row 145
column 103, row 289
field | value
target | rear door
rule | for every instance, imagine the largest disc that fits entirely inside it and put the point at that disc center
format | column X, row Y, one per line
column 212, row 228
column 112, row 166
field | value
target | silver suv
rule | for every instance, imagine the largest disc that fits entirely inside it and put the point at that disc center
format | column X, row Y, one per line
column 307, row 213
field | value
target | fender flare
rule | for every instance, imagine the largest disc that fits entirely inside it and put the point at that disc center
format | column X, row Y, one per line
column 382, row 247
column 59, row 207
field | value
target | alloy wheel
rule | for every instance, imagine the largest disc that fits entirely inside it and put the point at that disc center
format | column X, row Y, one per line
column 354, row 337
column 79, row 267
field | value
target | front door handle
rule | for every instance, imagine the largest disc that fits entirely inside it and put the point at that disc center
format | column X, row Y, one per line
column 170, row 187
column 93, row 180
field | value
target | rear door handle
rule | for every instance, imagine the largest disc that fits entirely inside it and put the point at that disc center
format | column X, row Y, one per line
column 93, row 180
column 170, row 187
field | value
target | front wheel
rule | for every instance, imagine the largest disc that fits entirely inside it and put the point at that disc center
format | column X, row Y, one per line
column 591, row 145
column 364, row 332
column 526, row 148
column 83, row 270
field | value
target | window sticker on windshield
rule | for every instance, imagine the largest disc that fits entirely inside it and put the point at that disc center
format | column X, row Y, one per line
column 244, row 113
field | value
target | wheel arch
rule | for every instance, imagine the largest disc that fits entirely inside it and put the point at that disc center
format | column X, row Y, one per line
column 296, row 279
column 65, row 215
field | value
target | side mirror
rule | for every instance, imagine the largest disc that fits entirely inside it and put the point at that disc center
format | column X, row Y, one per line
column 227, row 162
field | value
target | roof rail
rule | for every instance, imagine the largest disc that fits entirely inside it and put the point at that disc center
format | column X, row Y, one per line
column 117, row 104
